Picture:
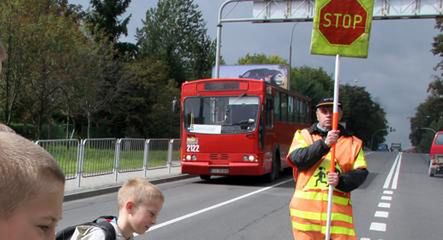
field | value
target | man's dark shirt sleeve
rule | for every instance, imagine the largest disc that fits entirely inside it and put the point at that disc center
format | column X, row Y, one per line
column 352, row 179
column 304, row 158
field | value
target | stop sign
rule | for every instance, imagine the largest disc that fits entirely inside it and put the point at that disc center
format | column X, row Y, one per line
column 342, row 21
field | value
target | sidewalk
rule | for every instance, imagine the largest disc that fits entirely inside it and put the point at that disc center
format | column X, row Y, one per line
column 93, row 186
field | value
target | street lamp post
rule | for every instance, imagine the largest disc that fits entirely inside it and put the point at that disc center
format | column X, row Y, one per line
column 290, row 55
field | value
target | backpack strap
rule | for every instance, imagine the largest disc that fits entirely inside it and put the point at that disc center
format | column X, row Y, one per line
column 103, row 222
column 66, row 233
column 107, row 228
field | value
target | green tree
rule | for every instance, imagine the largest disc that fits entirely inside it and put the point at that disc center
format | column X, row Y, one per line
column 364, row 117
column 175, row 33
column 104, row 18
column 315, row 83
column 89, row 91
column 38, row 50
column 12, row 33
column 144, row 106
column 261, row 59
column 429, row 114
column 49, row 55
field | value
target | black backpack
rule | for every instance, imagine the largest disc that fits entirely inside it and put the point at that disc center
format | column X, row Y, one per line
column 103, row 222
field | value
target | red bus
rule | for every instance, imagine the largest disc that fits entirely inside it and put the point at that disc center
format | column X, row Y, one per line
column 238, row 126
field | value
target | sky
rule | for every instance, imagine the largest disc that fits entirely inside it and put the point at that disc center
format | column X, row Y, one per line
column 396, row 72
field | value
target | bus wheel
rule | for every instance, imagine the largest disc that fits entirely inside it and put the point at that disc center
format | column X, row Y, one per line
column 275, row 171
column 205, row 177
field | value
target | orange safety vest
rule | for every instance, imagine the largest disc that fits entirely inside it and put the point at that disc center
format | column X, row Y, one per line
column 308, row 207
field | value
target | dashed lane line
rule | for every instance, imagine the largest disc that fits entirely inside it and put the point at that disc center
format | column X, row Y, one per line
column 379, row 227
column 381, row 214
column 384, row 205
column 386, row 198
column 389, row 185
column 388, row 192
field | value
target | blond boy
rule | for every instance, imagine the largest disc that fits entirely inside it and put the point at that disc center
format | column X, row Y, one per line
column 139, row 203
column 31, row 190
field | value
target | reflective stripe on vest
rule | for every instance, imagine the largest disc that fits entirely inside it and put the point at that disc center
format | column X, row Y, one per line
column 321, row 196
column 320, row 216
column 322, row 229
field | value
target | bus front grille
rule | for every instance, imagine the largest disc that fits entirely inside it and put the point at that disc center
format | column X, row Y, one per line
column 218, row 156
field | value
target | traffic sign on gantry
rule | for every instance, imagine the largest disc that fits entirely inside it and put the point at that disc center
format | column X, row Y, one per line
column 342, row 21
column 342, row 27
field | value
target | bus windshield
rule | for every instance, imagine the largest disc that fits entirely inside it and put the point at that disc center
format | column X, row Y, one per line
column 221, row 114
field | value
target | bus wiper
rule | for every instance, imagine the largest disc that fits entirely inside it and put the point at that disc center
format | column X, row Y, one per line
column 245, row 122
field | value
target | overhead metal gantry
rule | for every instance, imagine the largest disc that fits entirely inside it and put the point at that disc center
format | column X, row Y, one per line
column 303, row 11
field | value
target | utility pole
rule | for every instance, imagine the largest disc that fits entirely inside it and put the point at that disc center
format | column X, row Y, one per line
column 290, row 56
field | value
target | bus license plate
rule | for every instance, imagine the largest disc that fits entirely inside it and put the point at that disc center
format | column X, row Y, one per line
column 219, row 170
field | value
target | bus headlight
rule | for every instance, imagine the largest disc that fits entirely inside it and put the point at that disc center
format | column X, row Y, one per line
column 191, row 157
column 249, row 158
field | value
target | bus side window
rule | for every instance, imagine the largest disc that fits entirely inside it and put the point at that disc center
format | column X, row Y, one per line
column 261, row 133
column 290, row 109
column 277, row 111
column 297, row 111
column 269, row 109
column 283, row 107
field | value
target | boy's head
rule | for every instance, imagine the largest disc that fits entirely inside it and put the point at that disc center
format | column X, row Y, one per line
column 6, row 128
column 31, row 187
column 139, row 204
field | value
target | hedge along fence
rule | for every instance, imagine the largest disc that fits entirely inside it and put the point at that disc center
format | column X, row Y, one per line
column 101, row 156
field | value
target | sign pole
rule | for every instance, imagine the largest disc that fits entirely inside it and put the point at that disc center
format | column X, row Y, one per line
column 334, row 127
column 341, row 28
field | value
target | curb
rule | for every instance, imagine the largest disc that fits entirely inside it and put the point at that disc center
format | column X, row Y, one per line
column 112, row 189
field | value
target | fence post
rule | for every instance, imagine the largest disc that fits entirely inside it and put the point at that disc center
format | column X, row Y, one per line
column 146, row 156
column 170, row 148
column 80, row 161
column 117, row 157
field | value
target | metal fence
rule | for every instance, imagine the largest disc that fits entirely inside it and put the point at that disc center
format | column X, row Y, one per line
column 101, row 156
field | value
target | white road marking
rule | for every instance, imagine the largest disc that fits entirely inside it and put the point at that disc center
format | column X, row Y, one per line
column 381, row 214
column 387, row 195
column 397, row 171
column 391, row 172
column 192, row 214
column 388, row 192
column 380, row 227
column 386, row 198
column 384, row 205
column 365, row 239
